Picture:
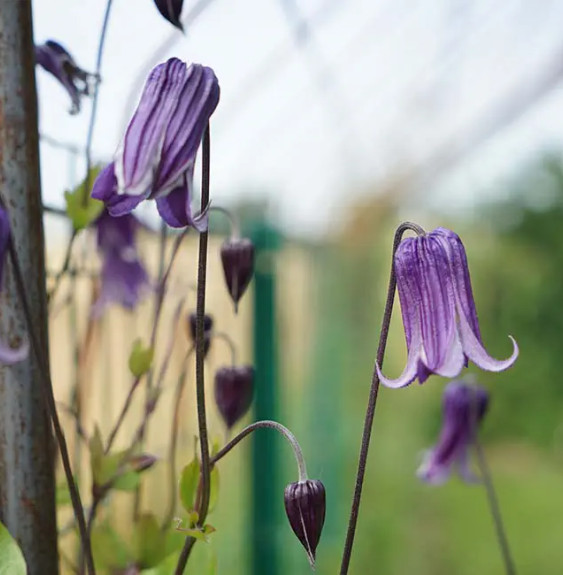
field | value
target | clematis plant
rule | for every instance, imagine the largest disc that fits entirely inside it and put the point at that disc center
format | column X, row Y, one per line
column 56, row 60
column 157, row 155
column 464, row 406
column 438, row 309
column 124, row 278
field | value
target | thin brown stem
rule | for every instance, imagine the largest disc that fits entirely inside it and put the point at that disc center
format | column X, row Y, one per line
column 372, row 401
column 49, row 396
column 200, row 359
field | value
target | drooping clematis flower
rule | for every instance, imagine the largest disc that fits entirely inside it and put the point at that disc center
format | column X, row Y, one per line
column 8, row 355
column 124, row 278
column 157, row 155
column 305, row 506
column 207, row 330
column 171, row 10
column 438, row 309
column 464, row 406
column 56, row 60
column 234, row 387
column 237, row 257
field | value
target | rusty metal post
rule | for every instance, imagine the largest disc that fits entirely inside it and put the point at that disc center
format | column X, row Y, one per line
column 27, row 483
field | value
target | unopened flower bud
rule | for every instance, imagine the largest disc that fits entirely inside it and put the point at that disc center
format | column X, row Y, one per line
column 305, row 505
column 237, row 256
column 171, row 10
column 142, row 462
column 234, row 388
column 207, row 329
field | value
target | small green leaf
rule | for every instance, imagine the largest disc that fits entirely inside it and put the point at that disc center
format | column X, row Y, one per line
column 81, row 208
column 213, row 488
column 109, row 549
column 208, row 529
column 11, row 557
column 149, row 542
column 195, row 533
column 140, row 360
column 129, row 481
column 189, row 481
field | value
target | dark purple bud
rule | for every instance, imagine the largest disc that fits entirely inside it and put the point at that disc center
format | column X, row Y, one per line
column 237, row 256
column 234, row 387
column 171, row 10
column 142, row 462
column 305, row 505
column 207, row 329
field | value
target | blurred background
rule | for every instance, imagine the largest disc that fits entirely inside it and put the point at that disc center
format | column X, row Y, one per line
column 337, row 121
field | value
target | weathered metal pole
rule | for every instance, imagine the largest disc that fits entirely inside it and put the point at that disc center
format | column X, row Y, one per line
column 27, row 484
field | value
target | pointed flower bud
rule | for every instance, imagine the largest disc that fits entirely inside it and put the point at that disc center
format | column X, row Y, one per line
column 171, row 10
column 8, row 355
column 464, row 406
column 305, row 505
column 207, row 329
column 157, row 155
column 237, row 256
column 439, row 315
column 234, row 387
column 142, row 462
column 124, row 278
column 56, row 60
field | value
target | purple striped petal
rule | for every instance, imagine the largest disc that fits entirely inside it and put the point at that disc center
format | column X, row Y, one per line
column 139, row 154
column 105, row 189
column 411, row 369
column 198, row 100
column 175, row 208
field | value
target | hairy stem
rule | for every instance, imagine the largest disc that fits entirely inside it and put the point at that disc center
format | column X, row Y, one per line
column 49, row 396
column 370, row 412
column 199, row 360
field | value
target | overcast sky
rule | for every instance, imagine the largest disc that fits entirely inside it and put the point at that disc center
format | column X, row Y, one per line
column 374, row 88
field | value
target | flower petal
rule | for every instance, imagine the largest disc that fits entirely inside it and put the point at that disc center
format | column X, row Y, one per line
column 454, row 361
column 475, row 351
column 105, row 189
column 411, row 369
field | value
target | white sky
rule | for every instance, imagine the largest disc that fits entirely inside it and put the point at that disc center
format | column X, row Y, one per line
column 405, row 78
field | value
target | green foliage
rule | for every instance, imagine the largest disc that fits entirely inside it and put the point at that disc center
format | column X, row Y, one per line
column 12, row 561
column 80, row 207
column 189, row 481
column 140, row 360
column 149, row 542
column 111, row 467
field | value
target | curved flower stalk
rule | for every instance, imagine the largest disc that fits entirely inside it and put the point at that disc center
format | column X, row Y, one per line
column 464, row 406
column 171, row 10
column 438, row 309
column 56, row 60
column 124, row 278
column 8, row 355
column 157, row 155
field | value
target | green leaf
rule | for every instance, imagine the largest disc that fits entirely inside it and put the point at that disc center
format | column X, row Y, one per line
column 149, row 542
column 213, row 488
column 109, row 549
column 140, row 360
column 129, row 481
column 80, row 207
column 11, row 557
column 189, row 481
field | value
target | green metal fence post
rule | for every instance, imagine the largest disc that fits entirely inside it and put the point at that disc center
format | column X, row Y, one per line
column 266, row 491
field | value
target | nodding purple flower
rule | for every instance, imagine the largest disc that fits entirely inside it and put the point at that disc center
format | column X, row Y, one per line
column 305, row 505
column 157, row 155
column 171, row 10
column 124, row 278
column 77, row 82
column 207, row 330
column 237, row 256
column 234, row 387
column 439, row 315
column 8, row 355
column 464, row 406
